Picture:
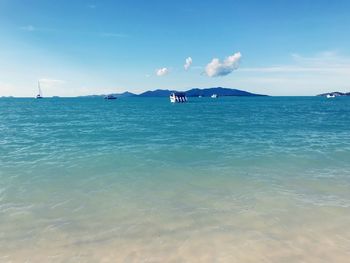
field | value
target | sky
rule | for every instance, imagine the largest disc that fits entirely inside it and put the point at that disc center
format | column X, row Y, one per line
column 274, row 47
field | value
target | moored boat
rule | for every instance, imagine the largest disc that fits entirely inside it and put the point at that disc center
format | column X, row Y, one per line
column 110, row 97
column 40, row 94
column 178, row 97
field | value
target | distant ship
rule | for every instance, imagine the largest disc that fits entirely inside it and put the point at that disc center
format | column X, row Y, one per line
column 178, row 97
column 329, row 96
column 110, row 97
column 214, row 96
column 40, row 94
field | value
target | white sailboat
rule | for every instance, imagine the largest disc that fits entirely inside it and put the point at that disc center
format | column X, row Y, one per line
column 40, row 94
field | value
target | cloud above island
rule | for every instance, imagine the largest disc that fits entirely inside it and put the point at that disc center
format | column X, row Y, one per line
column 188, row 63
column 162, row 72
column 217, row 68
column 323, row 62
column 51, row 83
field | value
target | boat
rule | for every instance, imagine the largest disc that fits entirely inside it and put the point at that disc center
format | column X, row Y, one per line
column 178, row 97
column 214, row 96
column 329, row 96
column 40, row 94
column 110, row 97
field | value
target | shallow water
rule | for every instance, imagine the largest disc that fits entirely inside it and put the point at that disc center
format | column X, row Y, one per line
column 141, row 180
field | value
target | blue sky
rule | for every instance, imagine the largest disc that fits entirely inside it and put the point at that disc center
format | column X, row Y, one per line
column 94, row 47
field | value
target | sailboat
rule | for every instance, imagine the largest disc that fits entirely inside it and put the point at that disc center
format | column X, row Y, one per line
column 40, row 94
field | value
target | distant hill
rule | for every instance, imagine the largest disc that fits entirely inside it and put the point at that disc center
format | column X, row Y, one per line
column 118, row 95
column 335, row 93
column 125, row 94
column 196, row 92
column 157, row 93
column 219, row 91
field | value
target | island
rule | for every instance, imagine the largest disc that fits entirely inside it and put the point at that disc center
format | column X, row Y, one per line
column 194, row 92
column 335, row 93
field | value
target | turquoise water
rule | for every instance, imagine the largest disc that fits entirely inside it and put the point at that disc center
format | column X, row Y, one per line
column 141, row 180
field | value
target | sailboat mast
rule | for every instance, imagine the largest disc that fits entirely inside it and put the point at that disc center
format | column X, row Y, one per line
column 39, row 89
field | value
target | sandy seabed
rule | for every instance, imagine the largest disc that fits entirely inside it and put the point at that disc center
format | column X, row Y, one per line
column 263, row 242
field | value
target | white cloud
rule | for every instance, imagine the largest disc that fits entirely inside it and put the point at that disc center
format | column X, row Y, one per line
column 50, row 83
column 28, row 28
column 217, row 68
column 118, row 35
column 31, row 28
column 188, row 63
column 297, row 69
column 302, row 75
column 6, row 88
column 162, row 71
column 320, row 59
column 324, row 62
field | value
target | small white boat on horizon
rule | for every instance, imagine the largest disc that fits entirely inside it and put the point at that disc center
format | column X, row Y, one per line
column 40, row 94
column 214, row 96
column 330, row 96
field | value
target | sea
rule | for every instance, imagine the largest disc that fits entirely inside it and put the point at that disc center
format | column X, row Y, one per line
column 233, row 179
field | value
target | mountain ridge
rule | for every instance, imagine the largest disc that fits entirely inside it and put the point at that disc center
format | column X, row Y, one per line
column 194, row 92
column 335, row 93
column 204, row 92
